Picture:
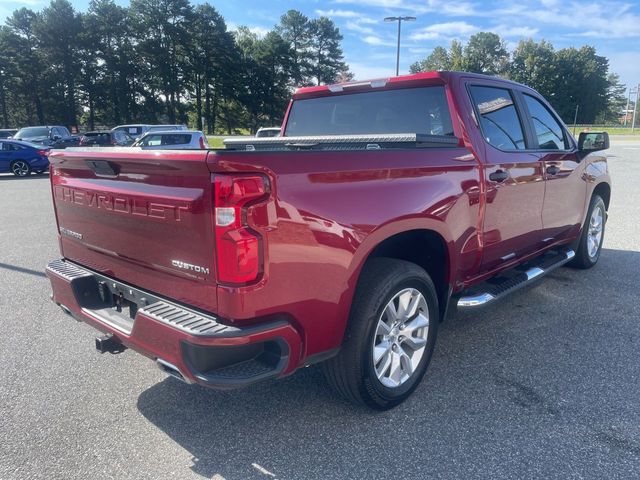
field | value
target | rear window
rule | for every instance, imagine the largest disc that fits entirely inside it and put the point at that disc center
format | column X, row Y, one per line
column 411, row 110
column 134, row 131
column 156, row 140
column 33, row 132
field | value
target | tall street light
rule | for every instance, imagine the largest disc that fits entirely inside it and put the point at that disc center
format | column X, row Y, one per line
column 399, row 20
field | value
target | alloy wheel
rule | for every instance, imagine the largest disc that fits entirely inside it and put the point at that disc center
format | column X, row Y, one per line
column 20, row 168
column 401, row 337
column 596, row 227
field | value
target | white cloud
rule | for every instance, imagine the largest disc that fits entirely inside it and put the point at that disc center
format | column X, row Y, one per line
column 459, row 9
column 357, row 27
column 625, row 64
column 338, row 13
column 509, row 31
column 28, row 2
column 366, row 71
column 375, row 3
column 256, row 29
column 419, row 50
column 445, row 31
column 595, row 19
column 374, row 40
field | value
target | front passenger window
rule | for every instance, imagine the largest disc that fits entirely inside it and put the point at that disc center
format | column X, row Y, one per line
column 549, row 132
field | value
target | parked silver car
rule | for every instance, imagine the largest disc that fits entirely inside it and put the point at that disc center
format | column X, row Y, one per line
column 173, row 140
column 137, row 130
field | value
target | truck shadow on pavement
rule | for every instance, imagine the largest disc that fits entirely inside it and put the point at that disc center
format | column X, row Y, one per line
column 19, row 269
column 539, row 381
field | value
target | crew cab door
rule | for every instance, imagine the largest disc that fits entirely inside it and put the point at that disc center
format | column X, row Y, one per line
column 512, row 224
column 565, row 190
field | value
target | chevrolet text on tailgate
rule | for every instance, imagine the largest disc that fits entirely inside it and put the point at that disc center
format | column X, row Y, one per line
column 342, row 241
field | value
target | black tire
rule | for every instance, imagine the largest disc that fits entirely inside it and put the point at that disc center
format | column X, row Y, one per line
column 20, row 168
column 585, row 257
column 352, row 372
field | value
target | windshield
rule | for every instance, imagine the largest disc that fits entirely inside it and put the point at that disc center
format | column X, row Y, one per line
column 133, row 131
column 30, row 132
column 408, row 110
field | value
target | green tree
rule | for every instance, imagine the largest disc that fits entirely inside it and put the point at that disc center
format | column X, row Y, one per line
column 58, row 30
column 215, row 69
column 485, row 53
column 24, row 64
column 295, row 28
column 326, row 58
column 616, row 101
column 438, row 59
column 110, row 31
column 161, row 29
column 456, row 56
column 582, row 82
column 267, row 66
column 534, row 64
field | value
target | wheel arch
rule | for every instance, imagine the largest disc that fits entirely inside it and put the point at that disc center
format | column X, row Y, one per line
column 603, row 189
column 429, row 246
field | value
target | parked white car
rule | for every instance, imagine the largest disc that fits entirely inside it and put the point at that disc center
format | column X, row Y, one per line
column 268, row 132
column 173, row 140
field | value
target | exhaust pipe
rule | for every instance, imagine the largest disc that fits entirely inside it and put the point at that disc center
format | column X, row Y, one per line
column 109, row 343
column 171, row 369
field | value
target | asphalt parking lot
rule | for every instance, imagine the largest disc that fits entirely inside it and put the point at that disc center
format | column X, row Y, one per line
column 545, row 384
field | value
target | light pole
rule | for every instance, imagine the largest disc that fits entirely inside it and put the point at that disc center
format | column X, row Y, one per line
column 399, row 20
column 626, row 110
column 635, row 108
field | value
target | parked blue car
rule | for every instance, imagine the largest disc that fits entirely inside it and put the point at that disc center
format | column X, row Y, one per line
column 22, row 158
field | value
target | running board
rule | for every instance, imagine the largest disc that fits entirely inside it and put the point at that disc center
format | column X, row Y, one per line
column 508, row 282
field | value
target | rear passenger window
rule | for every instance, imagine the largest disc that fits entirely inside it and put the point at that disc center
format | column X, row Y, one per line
column 549, row 132
column 151, row 141
column 499, row 119
column 175, row 139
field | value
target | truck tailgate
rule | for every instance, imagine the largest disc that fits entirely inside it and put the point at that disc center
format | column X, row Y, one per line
column 139, row 216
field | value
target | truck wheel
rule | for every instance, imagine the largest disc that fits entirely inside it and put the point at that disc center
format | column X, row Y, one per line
column 20, row 168
column 590, row 243
column 390, row 336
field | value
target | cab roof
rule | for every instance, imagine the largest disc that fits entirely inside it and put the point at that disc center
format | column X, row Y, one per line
column 434, row 77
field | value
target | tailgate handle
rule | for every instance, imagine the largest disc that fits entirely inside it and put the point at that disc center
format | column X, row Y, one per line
column 103, row 168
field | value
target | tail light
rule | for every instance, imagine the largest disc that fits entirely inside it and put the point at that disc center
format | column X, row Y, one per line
column 238, row 248
column 202, row 144
column 43, row 153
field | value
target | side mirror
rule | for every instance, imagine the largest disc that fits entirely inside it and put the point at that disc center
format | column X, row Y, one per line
column 593, row 141
column 55, row 138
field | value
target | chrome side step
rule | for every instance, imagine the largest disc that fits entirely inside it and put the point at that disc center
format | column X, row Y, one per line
column 496, row 288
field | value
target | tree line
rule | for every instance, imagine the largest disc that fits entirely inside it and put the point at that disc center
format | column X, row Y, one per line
column 157, row 61
column 567, row 78
column 168, row 61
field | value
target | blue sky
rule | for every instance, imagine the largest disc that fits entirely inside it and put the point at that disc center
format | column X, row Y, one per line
column 612, row 26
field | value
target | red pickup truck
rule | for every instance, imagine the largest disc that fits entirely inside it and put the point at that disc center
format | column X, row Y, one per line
column 343, row 241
